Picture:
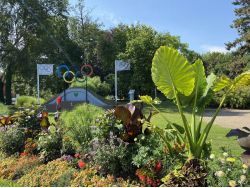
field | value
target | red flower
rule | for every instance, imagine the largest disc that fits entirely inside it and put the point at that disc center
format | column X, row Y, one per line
column 142, row 178
column 77, row 155
column 149, row 181
column 81, row 164
column 23, row 154
column 158, row 166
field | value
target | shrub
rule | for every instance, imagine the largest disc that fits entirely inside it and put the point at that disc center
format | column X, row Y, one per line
column 14, row 168
column 48, row 175
column 49, row 145
column 225, row 170
column 113, row 155
column 27, row 120
column 28, row 101
column 239, row 98
column 90, row 178
column 96, row 85
column 12, row 140
column 3, row 109
column 77, row 125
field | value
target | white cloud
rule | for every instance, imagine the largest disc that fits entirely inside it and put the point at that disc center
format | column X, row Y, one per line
column 109, row 17
column 214, row 48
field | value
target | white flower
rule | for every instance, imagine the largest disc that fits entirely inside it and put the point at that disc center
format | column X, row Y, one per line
column 222, row 160
column 219, row 173
column 243, row 178
column 212, row 156
column 244, row 171
column 225, row 154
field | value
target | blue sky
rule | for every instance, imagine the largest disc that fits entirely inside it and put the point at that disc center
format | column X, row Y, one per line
column 203, row 24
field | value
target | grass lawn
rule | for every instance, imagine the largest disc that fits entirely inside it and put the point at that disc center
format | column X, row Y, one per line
column 216, row 135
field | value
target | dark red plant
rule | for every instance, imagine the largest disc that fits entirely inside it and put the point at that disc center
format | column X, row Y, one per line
column 131, row 117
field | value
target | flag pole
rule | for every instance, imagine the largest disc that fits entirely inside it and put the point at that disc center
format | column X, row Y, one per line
column 38, row 87
column 116, row 84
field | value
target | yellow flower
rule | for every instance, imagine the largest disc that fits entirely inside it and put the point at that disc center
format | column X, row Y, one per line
column 232, row 183
column 230, row 159
column 244, row 166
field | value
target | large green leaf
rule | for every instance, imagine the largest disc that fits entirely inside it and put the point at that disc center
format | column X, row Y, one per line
column 200, row 78
column 170, row 71
column 221, row 83
column 208, row 93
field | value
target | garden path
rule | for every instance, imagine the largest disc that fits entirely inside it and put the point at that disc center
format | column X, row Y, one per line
column 230, row 118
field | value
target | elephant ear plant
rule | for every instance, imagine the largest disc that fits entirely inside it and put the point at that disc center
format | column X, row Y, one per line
column 188, row 86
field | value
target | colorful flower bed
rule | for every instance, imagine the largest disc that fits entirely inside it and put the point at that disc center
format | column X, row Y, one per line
column 122, row 147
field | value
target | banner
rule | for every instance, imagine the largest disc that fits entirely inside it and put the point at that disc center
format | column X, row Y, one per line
column 44, row 69
column 121, row 65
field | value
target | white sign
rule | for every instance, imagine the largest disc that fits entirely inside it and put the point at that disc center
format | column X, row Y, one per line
column 121, row 65
column 44, row 69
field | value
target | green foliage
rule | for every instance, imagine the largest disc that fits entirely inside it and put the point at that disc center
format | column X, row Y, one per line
column 96, row 85
column 191, row 174
column 28, row 101
column 77, row 125
column 7, row 183
column 241, row 23
column 26, row 120
column 136, row 43
column 169, row 71
column 113, row 155
column 49, row 145
column 150, row 149
column 8, row 84
column 239, row 98
column 3, row 109
column 12, row 140
column 227, row 64
column 225, row 170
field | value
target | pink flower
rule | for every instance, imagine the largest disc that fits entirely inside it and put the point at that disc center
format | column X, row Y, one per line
column 77, row 155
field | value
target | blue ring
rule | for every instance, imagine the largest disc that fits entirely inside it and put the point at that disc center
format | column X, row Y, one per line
column 59, row 72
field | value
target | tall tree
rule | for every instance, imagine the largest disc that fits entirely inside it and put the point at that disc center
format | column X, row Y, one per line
column 242, row 24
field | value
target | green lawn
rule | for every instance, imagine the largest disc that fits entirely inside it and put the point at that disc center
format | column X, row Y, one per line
column 216, row 136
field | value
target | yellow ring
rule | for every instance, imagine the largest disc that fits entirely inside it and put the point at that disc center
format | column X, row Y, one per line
column 64, row 75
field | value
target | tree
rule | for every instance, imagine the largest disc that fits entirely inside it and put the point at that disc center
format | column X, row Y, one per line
column 85, row 33
column 142, row 42
column 31, row 29
column 242, row 24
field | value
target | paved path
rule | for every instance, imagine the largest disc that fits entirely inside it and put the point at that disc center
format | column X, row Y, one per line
column 230, row 118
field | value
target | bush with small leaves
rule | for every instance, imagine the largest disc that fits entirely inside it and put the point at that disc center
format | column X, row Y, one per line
column 12, row 140
column 13, row 168
column 48, row 175
column 226, row 170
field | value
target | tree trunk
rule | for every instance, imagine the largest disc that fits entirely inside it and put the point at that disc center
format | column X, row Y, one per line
column 1, row 92
column 8, row 85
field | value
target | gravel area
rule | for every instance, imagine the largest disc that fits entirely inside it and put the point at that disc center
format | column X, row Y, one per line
column 229, row 118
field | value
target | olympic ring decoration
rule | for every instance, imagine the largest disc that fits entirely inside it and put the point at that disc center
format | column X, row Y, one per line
column 64, row 72
column 87, row 66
